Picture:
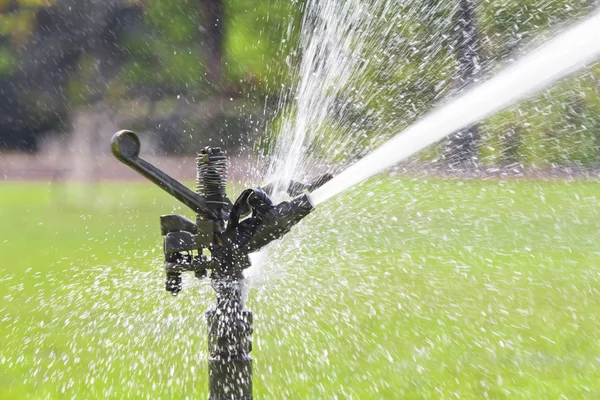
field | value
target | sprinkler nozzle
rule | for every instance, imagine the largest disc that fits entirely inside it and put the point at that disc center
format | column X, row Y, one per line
column 295, row 188
column 278, row 221
column 267, row 222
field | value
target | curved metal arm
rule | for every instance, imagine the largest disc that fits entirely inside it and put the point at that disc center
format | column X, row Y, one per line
column 125, row 145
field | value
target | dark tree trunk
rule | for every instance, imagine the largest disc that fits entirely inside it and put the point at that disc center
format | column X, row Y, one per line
column 213, row 39
column 461, row 147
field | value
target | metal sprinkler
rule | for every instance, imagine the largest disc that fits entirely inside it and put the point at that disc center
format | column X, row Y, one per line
column 217, row 244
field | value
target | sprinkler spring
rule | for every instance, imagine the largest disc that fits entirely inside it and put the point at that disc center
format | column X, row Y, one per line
column 211, row 184
column 211, row 177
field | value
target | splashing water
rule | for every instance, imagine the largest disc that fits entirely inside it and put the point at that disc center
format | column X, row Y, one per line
column 331, row 33
column 352, row 53
column 563, row 55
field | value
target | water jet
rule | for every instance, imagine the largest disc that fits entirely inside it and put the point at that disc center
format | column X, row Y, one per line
column 561, row 56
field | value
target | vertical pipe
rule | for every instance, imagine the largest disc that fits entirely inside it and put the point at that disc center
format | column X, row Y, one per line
column 229, row 344
column 461, row 148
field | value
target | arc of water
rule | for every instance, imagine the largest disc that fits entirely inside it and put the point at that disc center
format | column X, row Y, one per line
column 561, row 56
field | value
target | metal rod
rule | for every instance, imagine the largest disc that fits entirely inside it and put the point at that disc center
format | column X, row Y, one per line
column 229, row 344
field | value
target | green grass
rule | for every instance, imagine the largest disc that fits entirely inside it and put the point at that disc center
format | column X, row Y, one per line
column 400, row 289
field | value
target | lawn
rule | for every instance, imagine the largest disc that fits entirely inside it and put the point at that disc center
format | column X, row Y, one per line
column 401, row 288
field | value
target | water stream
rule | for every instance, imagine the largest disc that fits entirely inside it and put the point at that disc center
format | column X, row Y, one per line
column 349, row 105
column 346, row 83
column 565, row 54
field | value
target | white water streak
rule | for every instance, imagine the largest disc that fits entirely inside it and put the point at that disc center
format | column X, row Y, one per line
column 332, row 34
column 563, row 55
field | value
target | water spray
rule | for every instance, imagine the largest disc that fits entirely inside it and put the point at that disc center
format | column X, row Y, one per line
column 561, row 56
column 217, row 245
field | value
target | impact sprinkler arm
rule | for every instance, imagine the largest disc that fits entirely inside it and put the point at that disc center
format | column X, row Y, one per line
column 125, row 145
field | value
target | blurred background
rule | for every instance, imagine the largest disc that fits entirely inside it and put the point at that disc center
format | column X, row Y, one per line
column 184, row 74
column 190, row 73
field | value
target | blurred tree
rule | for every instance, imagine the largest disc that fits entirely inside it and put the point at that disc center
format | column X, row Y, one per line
column 182, row 67
column 461, row 148
column 510, row 147
column 214, row 21
column 511, row 28
column 48, row 40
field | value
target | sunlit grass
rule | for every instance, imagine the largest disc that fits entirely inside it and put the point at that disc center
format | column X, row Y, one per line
column 403, row 288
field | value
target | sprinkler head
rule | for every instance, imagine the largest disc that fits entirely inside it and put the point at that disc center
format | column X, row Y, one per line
column 228, row 232
column 270, row 222
column 295, row 188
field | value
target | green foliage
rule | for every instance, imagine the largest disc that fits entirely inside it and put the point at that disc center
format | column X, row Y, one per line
column 176, row 20
column 261, row 37
column 17, row 25
column 7, row 62
column 258, row 37
column 414, row 75
column 82, row 85
column 507, row 26
column 36, row 3
column 170, row 56
column 560, row 125
column 161, row 64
